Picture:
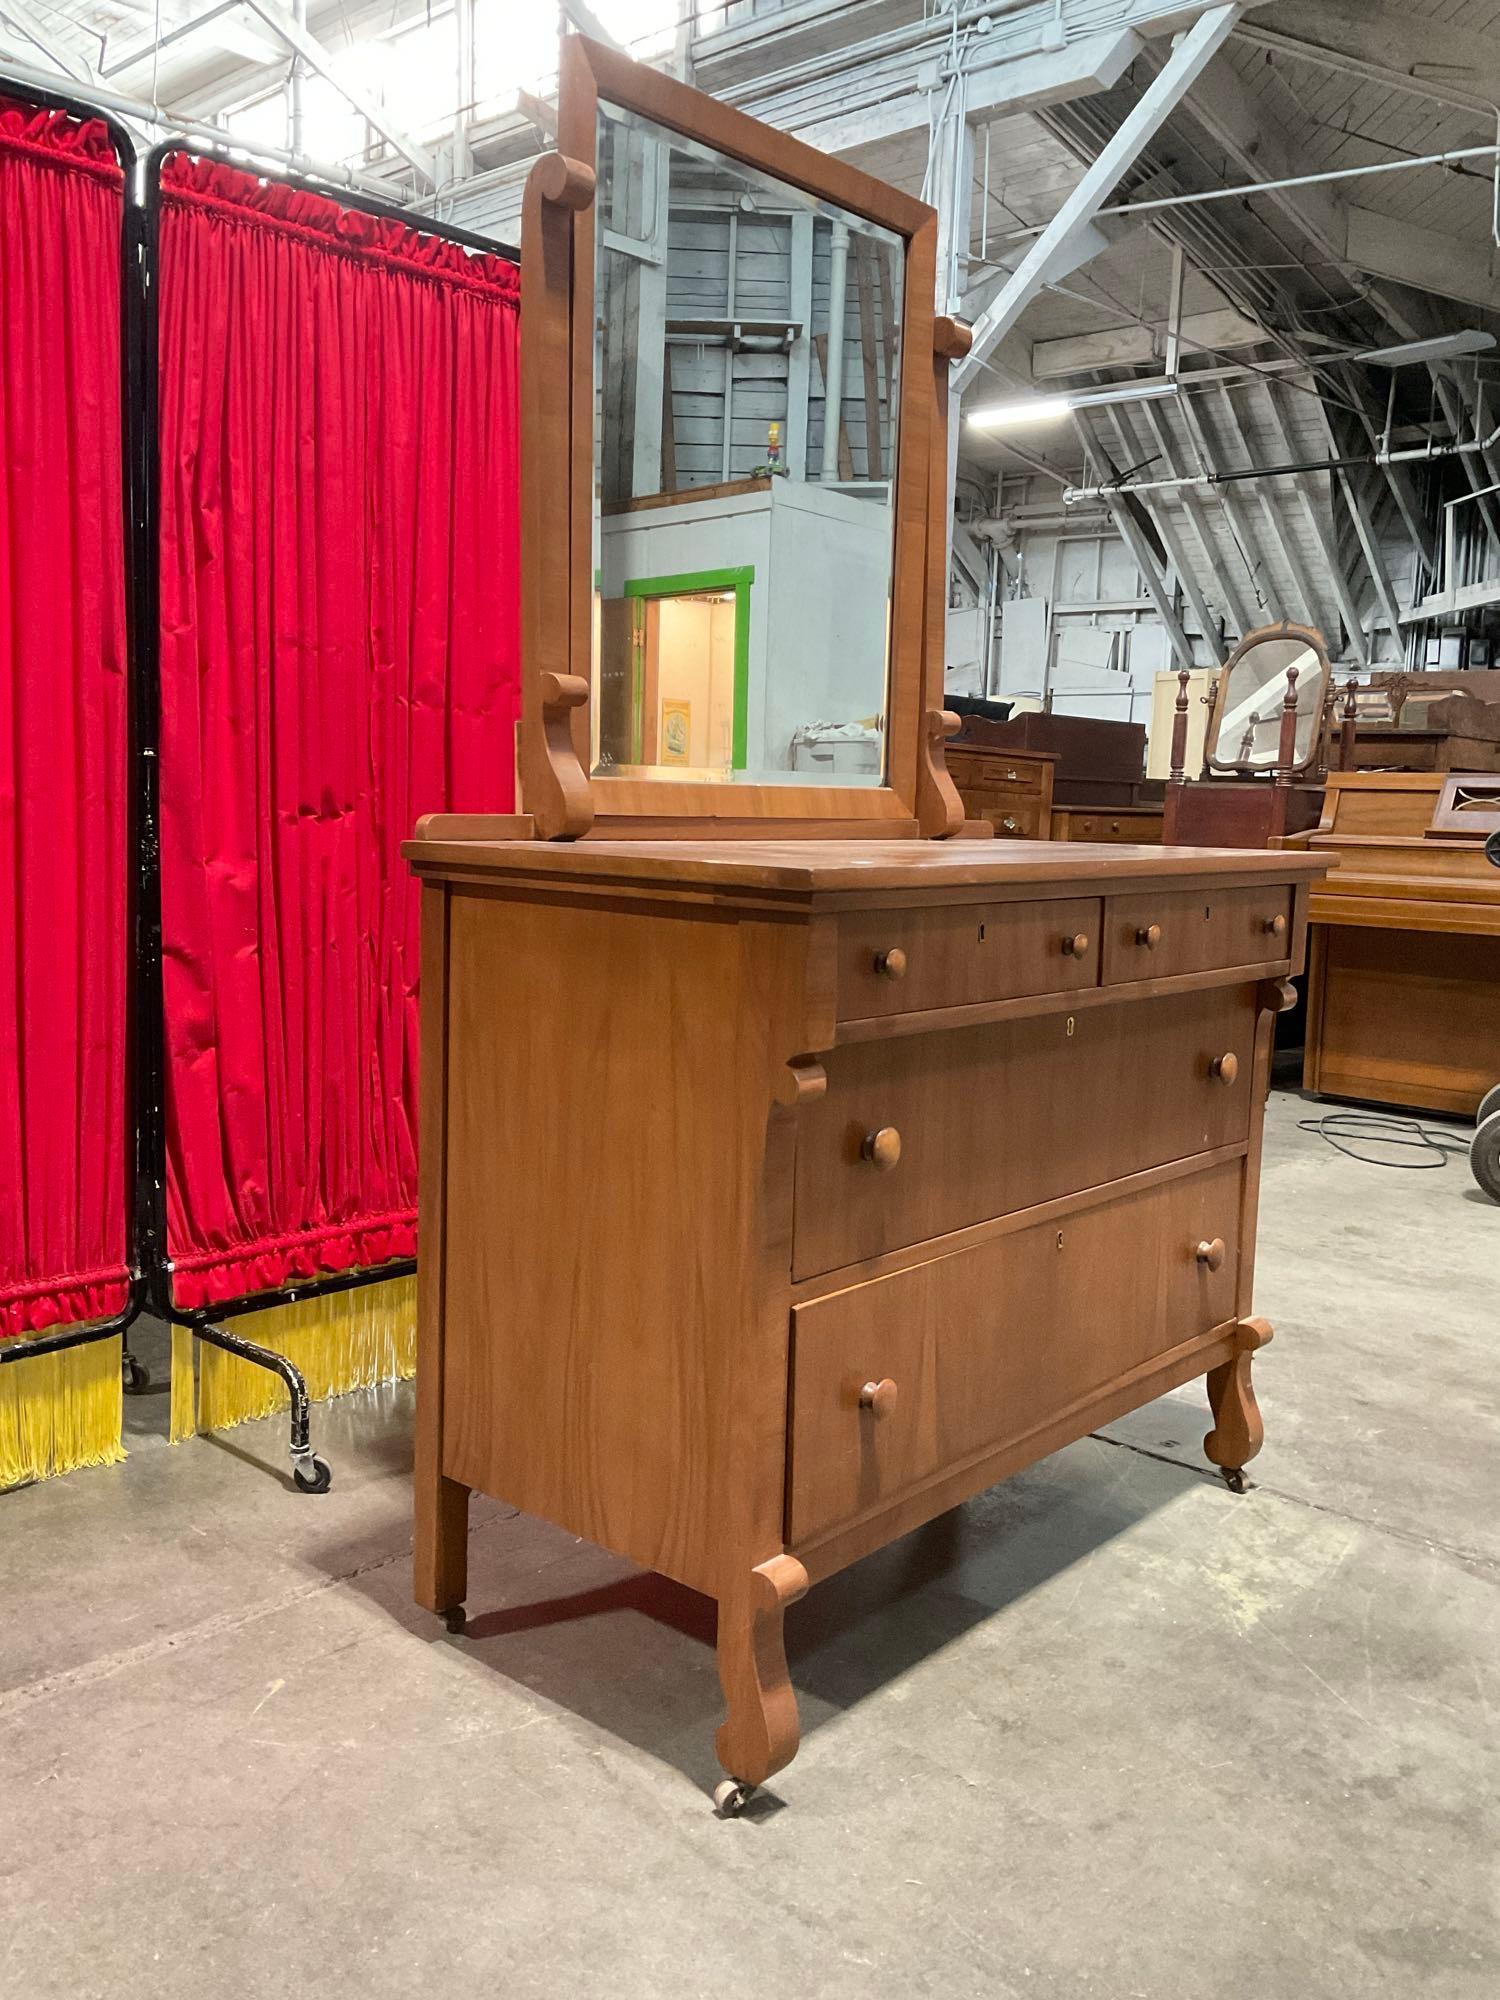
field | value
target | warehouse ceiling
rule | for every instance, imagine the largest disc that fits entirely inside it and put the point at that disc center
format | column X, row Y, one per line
column 1276, row 288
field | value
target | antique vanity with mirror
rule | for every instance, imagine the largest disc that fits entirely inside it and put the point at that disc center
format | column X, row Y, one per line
column 1270, row 718
column 793, row 1167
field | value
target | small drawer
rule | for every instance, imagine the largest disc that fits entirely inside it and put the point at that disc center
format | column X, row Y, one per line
column 906, row 961
column 1107, row 828
column 919, row 1135
column 900, row 1380
column 1018, row 819
column 1157, row 936
column 997, row 774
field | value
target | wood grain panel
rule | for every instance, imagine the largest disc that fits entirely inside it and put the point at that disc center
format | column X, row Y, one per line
column 996, row 1118
column 958, row 957
column 618, row 1224
column 1401, row 1017
column 1219, row 927
column 983, row 1346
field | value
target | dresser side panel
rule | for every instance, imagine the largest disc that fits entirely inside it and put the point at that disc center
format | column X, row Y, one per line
column 619, row 1194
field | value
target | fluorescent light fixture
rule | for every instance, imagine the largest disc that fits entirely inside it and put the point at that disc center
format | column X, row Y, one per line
column 1048, row 409
column 1442, row 347
column 1027, row 410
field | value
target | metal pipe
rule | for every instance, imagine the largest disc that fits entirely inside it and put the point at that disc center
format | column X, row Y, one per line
column 463, row 19
column 1075, row 495
column 1249, row 188
column 194, row 128
column 296, row 107
column 833, row 374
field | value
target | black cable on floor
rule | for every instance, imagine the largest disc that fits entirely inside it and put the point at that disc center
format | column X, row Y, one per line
column 1345, row 1130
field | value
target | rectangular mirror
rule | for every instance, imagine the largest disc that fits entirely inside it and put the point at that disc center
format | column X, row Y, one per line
column 746, row 400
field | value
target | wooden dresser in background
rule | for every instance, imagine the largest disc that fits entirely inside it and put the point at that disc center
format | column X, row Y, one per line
column 1012, row 789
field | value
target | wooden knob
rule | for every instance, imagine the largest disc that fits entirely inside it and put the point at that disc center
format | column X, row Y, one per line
column 882, row 1149
column 1212, row 1254
column 1224, row 1069
column 1149, row 935
column 1274, row 926
column 891, row 964
column 879, row 1398
column 1076, row 946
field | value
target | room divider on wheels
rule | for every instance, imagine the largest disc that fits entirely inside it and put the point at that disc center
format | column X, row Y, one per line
column 321, row 526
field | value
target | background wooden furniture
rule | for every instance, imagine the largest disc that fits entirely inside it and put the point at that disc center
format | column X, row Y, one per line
column 722, row 1264
column 1131, row 825
column 1266, row 787
column 1012, row 789
column 1098, row 762
column 1404, row 971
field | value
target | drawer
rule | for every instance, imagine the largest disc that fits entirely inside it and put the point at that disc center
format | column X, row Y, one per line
column 1018, row 819
column 974, row 1350
column 1154, row 936
column 902, row 961
column 988, row 1120
column 1109, row 828
column 997, row 774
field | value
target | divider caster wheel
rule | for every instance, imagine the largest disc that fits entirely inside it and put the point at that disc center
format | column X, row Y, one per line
column 731, row 1797
column 137, row 1375
column 313, row 1475
column 1484, row 1153
column 1489, row 1104
column 1234, row 1477
column 456, row 1620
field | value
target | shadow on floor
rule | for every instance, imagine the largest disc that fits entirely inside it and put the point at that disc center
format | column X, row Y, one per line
column 583, row 1630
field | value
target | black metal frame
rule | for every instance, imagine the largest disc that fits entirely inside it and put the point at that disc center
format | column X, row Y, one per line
column 117, row 1326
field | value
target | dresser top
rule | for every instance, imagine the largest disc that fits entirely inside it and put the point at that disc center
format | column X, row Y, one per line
column 802, row 868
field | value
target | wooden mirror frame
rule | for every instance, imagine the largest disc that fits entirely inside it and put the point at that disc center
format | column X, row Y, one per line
column 557, row 491
column 1218, row 766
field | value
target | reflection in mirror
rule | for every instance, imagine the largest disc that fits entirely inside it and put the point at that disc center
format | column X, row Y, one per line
column 1251, row 702
column 746, row 392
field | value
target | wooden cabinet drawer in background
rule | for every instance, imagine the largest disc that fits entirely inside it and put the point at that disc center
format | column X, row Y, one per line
column 920, row 1135
column 897, row 1381
column 1159, row 936
column 903, row 961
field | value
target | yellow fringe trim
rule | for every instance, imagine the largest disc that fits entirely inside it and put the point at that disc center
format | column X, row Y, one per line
column 342, row 1341
column 60, row 1411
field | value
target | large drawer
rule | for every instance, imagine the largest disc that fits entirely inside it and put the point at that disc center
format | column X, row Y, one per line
column 992, row 1119
column 1158, row 935
column 970, row 1352
column 904, row 961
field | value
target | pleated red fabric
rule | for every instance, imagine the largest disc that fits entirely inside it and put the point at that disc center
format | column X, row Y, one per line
column 64, row 867
column 340, row 642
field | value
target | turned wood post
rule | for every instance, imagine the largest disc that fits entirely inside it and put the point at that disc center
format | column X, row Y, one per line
column 1179, row 728
column 1286, row 752
column 1347, row 727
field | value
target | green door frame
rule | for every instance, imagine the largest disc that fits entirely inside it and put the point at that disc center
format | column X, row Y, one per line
column 690, row 584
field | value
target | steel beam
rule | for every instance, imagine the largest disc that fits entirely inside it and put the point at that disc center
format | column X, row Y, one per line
column 1166, row 528
column 317, row 57
column 1129, row 531
column 31, row 29
column 1327, row 548
column 1166, row 90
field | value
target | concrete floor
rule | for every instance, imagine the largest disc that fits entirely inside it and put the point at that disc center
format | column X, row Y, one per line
column 1107, row 1731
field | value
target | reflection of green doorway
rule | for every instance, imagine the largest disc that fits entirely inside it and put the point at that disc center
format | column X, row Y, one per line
column 690, row 676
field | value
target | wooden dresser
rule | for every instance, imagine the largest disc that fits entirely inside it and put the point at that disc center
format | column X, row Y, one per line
column 777, row 1197
column 1127, row 826
column 1404, row 986
column 792, row 1166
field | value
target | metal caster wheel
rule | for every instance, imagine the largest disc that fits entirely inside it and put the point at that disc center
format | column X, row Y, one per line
column 1234, row 1478
column 1484, row 1154
column 313, row 1475
column 137, row 1375
column 731, row 1798
column 456, row 1620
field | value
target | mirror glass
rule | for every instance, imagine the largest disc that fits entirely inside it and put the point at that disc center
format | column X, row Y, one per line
column 1250, row 704
column 747, row 366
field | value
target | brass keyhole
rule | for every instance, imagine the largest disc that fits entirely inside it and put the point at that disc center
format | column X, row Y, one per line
column 1059, row 1239
column 981, row 933
column 1070, row 1027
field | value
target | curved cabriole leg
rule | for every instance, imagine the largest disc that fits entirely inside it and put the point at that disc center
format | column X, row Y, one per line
column 1238, row 1432
column 761, row 1733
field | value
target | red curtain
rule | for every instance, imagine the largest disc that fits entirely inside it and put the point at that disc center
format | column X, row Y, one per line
column 64, row 944
column 340, row 640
